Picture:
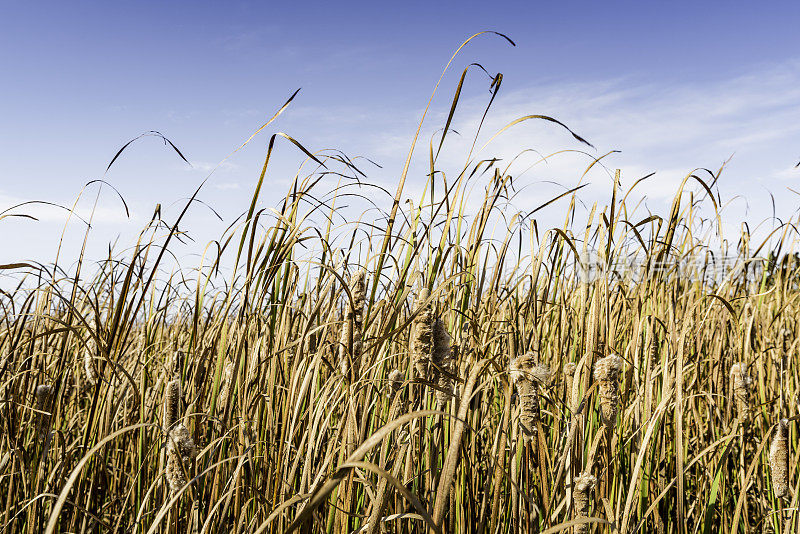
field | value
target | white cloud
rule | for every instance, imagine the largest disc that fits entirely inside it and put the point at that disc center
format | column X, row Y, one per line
column 669, row 129
column 110, row 211
column 205, row 167
column 227, row 186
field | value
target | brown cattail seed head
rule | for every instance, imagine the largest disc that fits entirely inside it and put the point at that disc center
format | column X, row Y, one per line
column 396, row 380
column 184, row 442
column 786, row 338
column 741, row 390
column 353, row 324
column 607, row 371
column 455, row 352
column 779, row 459
column 422, row 334
column 442, row 362
column 584, row 486
column 528, row 376
column 569, row 378
column 227, row 384
column 89, row 368
column 69, row 385
column 653, row 349
column 172, row 400
column 397, row 403
column 181, row 450
column 43, row 393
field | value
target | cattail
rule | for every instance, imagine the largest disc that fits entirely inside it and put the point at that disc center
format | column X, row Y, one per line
column 653, row 350
column 172, row 400
column 607, row 371
column 200, row 371
column 89, row 369
column 227, row 384
column 69, row 385
column 254, row 366
column 584, row 486
column 741, row 390
column 396, row 402
column 569, row 377
column 181, row 450
column 312, row 343
column 786, row 341
column 396, row 380
column 432, row 349
column 455, row 352
column 43, row 393
column 442, row 361
column 779, row 459
column 527, row 376
column 353, row 325
column 180, row 446
column 422, row 335
column 592, row 325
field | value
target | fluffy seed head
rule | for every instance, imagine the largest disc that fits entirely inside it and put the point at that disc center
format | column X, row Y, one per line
column 525, row 368
column 786, row 338
column 653, row 349
column 585, row 482
column 608, row 368
column 353, row 324
column 358, row 288
column 528, row 376
column 184, row 442
column 422, row 335
column 89, row 369
column 442, row 368
column 741, row 389
column 779, row 459
column 43, row 392
column 569, row 378
column 181, row 450
column 396, row 379
column 607, row 371
column 584, row 486
column 172, row 399
column 227, row 383
column 69, row 384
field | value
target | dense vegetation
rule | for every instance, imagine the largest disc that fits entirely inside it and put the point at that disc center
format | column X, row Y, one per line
column 443, row 365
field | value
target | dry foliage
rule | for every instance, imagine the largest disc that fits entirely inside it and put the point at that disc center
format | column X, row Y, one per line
column 388, row 374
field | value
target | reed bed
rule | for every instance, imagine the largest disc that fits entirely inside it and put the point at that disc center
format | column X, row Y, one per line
column 417, row 370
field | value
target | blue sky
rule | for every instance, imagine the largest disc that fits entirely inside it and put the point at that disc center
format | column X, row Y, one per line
column 673, row 85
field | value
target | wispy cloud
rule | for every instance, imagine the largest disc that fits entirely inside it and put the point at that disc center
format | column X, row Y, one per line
column 227, row 186
column 206, row 167
column 752, row 119
column 49, row 211
column 666, row 129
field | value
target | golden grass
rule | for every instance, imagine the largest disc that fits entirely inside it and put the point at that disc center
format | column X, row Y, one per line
column 396, row 379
